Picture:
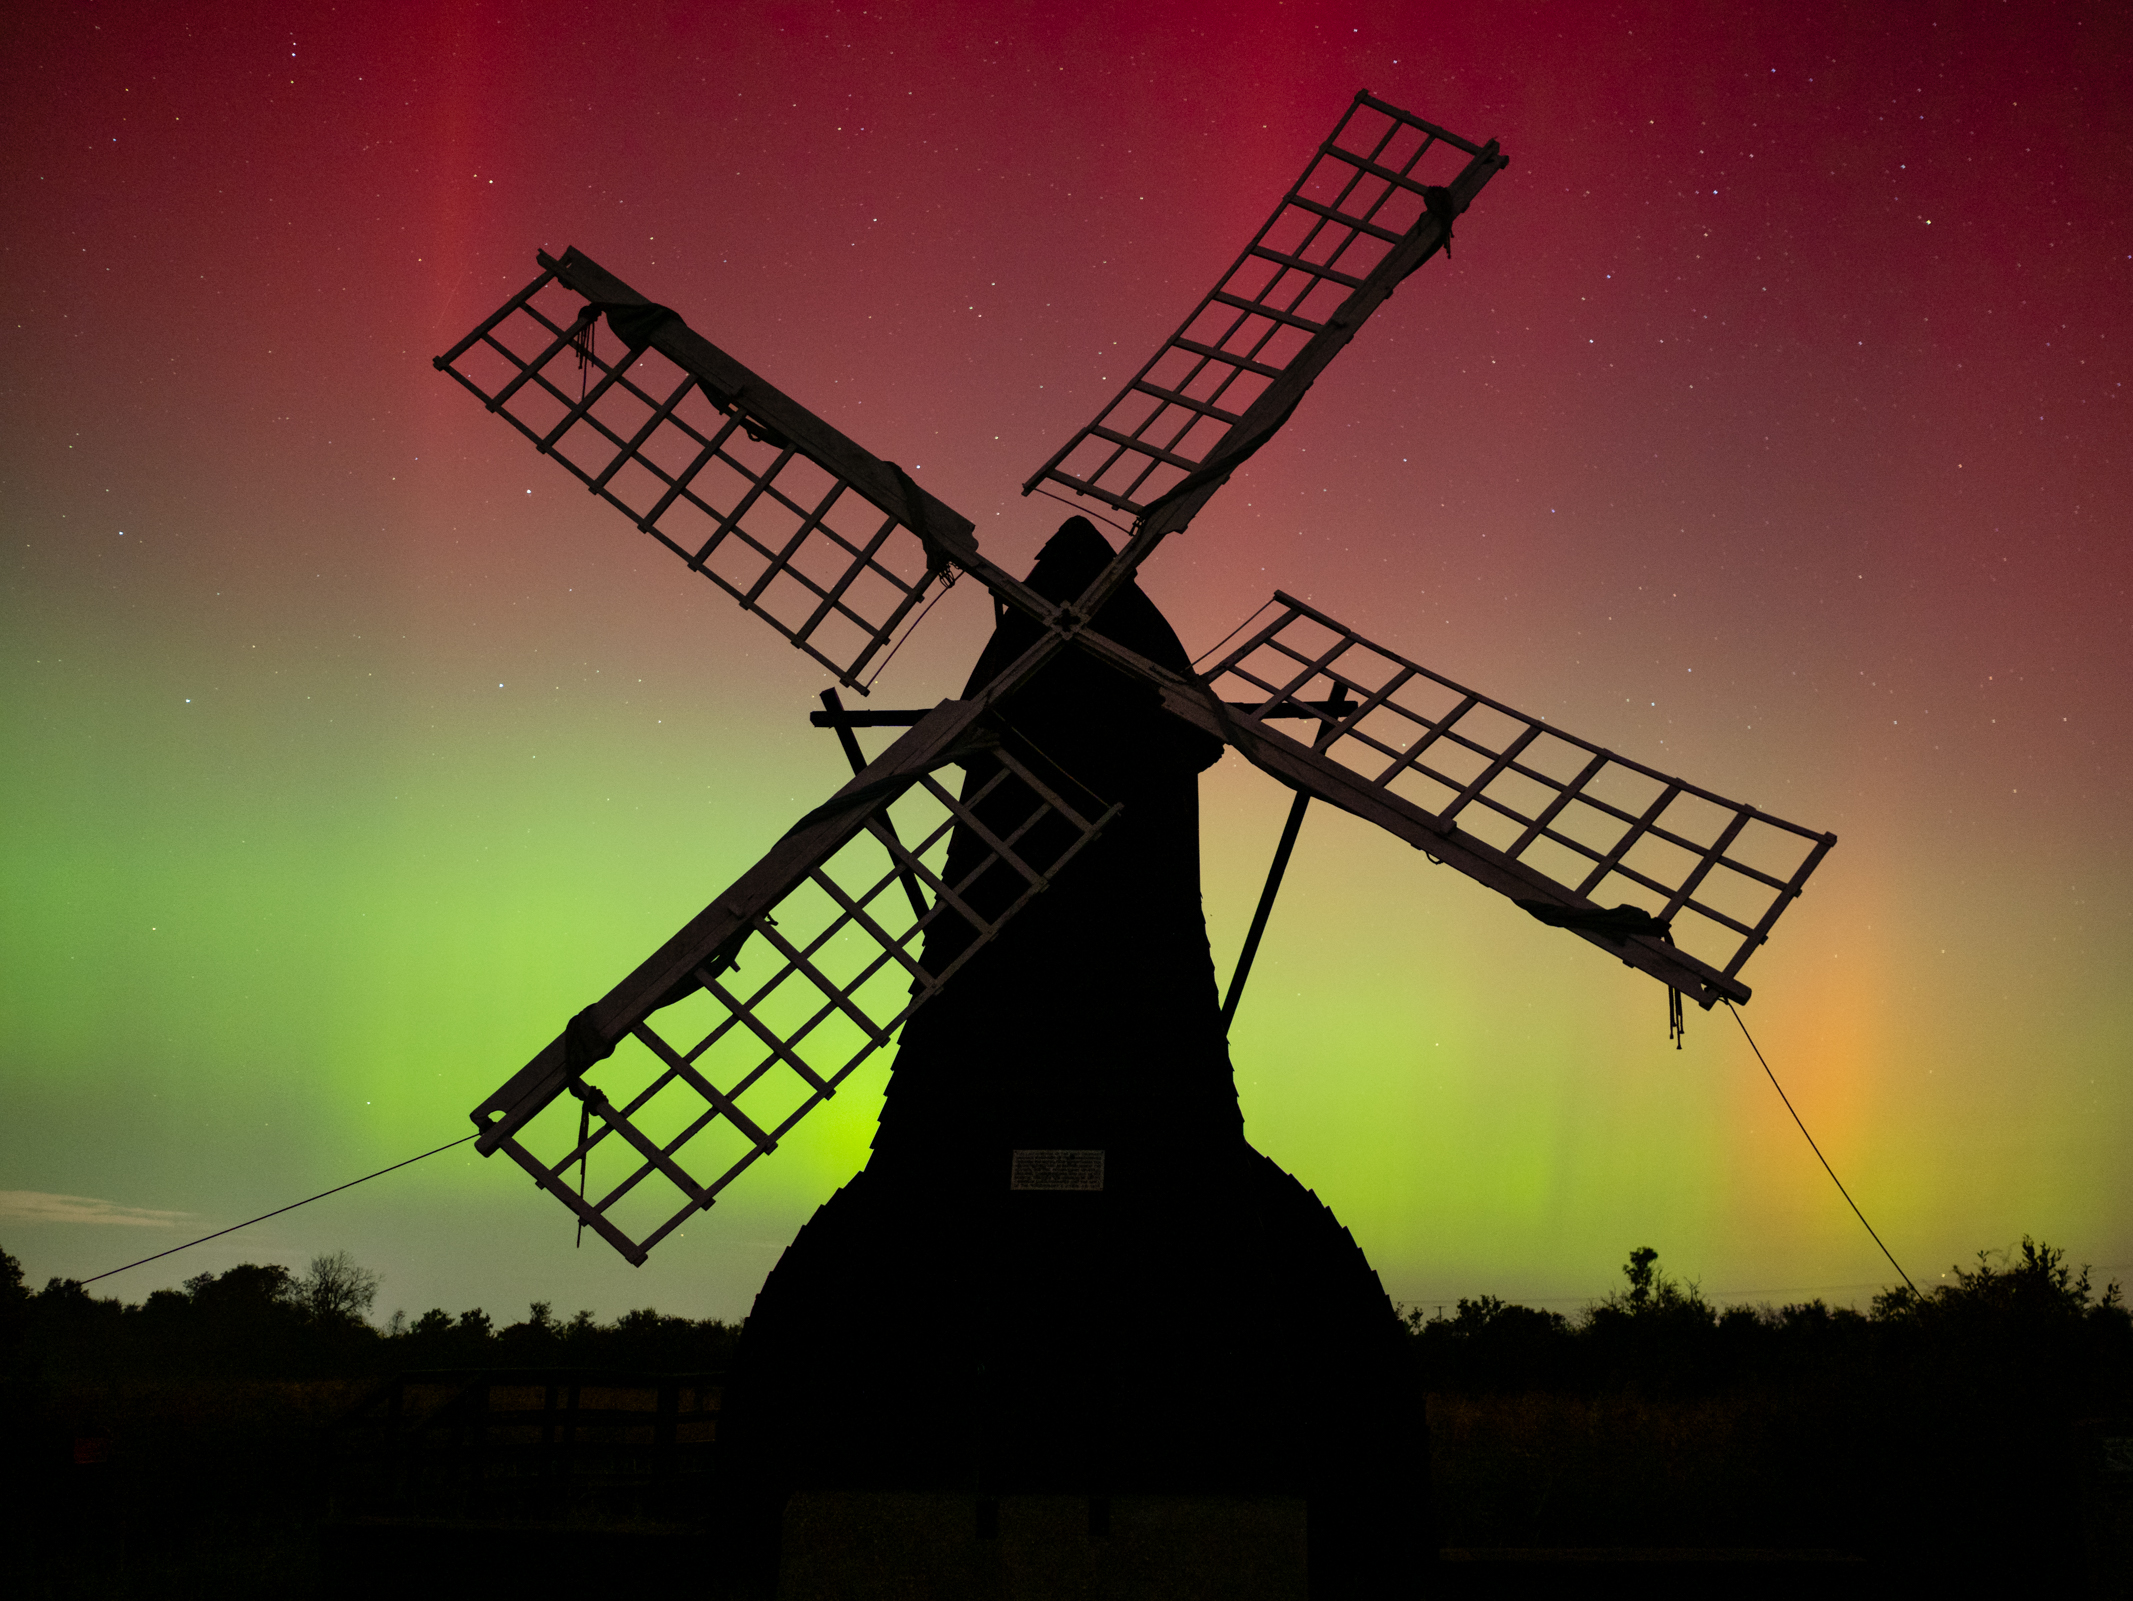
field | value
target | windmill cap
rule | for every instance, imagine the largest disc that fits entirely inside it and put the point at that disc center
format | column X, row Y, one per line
column 1070, row 560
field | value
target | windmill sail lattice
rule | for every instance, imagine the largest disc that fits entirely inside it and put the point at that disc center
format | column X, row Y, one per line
column 830, row 545
column 787, row 981
column 1375, row 202
column 1568, row 830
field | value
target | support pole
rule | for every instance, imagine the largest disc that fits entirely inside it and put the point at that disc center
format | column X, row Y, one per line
column 840, row 720
column 1336, row 704
column 1266, row 908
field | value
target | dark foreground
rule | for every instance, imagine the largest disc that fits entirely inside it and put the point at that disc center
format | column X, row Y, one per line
column 232, row 1488
column 1973, row 1440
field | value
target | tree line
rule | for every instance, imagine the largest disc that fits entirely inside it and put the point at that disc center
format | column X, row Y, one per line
column 265, row 1321
column 1976, row 1422
column 2022, row 1322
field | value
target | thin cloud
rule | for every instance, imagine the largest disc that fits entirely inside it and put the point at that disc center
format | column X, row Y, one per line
column 34, row 1206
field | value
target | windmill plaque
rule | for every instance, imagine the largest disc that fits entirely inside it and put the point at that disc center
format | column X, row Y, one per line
column 1056, row 1170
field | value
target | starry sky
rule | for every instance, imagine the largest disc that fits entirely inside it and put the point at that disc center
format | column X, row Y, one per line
column 1768, row 424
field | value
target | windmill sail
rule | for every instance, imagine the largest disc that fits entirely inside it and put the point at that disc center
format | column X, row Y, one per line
column 830, row 545
column 1669, row 877
column 1374, row 203
column 787, row 981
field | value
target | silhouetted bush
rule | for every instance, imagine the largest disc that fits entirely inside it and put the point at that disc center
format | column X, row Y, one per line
column 265, row 1322
column 14, row 1320
column 2021, row 1325
column 643, row 1341
column 1656, row 1417
column 251, row 1322
column 1494, row 1346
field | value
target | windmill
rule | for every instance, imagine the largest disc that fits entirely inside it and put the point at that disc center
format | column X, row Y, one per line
column 1060, row 1176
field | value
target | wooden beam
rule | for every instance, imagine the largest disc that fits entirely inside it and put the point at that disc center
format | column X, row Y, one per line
column 946, row 531
column 731, row 914
column 1304, row 769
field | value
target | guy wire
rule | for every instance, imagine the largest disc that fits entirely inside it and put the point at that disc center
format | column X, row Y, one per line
column 1084, row 511
column 1232, row 634
column 925, row 611
column 1832, row 1172
column 277, row 1212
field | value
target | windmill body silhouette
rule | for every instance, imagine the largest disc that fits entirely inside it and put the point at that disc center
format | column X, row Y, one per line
column 1064, row 1270
column 1015, row 1295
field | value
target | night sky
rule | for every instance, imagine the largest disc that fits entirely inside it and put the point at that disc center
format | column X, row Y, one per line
column 1768, row 424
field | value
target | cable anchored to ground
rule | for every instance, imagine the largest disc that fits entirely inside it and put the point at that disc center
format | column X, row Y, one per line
column 277, row 1212
column 1819, row 1157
